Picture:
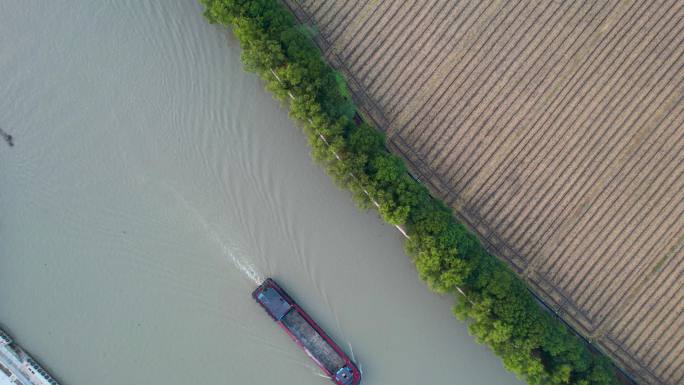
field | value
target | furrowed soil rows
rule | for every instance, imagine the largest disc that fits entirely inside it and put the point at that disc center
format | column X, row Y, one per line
column 555, row 130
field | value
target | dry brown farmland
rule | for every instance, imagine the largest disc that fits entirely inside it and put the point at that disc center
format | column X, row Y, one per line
column 555, row 129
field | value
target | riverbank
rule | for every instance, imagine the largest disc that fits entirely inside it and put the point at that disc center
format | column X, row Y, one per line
column 548, row 171
column 157, row 191
column 499, row 309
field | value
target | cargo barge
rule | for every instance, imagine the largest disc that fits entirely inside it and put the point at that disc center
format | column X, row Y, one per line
column 306, row 333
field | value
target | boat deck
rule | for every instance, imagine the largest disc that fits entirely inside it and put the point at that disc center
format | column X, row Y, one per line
column 10, row 374
column 312, row 341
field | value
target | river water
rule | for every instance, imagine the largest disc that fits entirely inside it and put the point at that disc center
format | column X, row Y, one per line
column 153, row 183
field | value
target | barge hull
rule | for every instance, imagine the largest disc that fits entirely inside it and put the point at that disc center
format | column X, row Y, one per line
column 306, row 333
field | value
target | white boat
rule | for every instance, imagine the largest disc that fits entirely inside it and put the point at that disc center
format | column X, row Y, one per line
column 18, row 368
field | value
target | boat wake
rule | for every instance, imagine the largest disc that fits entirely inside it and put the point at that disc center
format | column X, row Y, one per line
column 358, row 364
column 351, row 351
column 231, row 252
column 341, row 332
column 245, row 267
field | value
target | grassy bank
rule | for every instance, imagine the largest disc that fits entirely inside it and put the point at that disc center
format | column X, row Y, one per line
column 498, row 308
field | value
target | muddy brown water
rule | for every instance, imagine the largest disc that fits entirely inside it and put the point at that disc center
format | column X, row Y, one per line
column 153, row 183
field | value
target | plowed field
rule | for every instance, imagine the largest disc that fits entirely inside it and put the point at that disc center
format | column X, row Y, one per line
column 555, row 129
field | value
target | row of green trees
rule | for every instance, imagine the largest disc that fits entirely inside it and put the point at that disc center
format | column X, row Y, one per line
column 497, row 306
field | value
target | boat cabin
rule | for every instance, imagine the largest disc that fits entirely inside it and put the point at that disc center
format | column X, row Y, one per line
column 274, row 303
column 344, row 376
